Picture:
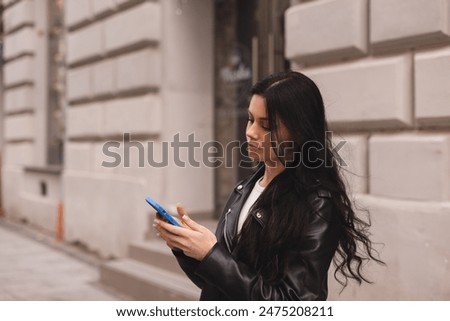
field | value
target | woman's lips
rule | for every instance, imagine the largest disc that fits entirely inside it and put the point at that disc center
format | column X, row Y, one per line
column 253, row 145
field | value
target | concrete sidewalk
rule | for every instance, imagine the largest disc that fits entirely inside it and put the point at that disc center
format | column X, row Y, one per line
column 32, row 269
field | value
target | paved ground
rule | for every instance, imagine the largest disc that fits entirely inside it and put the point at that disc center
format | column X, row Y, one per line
column 34, row 268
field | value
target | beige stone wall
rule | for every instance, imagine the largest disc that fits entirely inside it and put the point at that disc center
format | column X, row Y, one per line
column 25, row 97
column 130, row 70
column 383, row 67
column 114, row 75
column 19, row 77
column 132, row 66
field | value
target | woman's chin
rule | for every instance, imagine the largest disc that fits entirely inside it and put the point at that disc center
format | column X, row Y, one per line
column 254, row 156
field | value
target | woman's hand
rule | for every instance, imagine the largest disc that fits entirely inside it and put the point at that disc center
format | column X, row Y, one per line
column 193, row 239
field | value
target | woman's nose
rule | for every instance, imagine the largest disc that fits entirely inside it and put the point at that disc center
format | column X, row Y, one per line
column 252, row 131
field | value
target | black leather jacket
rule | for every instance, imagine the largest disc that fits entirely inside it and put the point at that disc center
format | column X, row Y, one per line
column 222, row 277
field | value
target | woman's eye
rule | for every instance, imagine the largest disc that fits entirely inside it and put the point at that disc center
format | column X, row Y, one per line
column 251, row 121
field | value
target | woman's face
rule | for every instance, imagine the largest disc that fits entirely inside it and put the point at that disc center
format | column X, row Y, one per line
column 258, row 134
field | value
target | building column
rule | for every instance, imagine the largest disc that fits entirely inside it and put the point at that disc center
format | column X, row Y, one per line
column 187, row 93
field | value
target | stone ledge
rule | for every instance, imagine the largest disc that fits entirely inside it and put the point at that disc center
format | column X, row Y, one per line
column 19, row 43
column 18, row 99
column 351, row 92
column 19, row 71
column 111, row 118
column 123, row 31
column 432, row 98
column 18, row 15
column 19, row 127
column 423, row 22
column 50, row 169
column 340, row 30
column 413, row 166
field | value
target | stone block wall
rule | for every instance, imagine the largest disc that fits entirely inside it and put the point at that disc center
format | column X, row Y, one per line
column 383, row 67
column 26, row 196
column 19, row 77
column 113, row 87
column 123, row 77
column 128, row 70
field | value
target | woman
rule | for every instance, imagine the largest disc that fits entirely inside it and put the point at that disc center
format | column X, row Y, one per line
column 282, row 226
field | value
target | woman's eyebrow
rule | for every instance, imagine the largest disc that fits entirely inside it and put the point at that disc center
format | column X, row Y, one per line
column 261, row 118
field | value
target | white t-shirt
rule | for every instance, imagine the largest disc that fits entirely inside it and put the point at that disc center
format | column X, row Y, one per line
column 257, row 190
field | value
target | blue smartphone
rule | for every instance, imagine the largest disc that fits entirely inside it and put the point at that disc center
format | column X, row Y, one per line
column 162, row 211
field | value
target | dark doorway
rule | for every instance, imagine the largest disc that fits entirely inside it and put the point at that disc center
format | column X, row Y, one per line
column 249, row 43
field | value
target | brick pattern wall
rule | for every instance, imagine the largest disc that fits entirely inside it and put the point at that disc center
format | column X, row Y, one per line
column 383, row 67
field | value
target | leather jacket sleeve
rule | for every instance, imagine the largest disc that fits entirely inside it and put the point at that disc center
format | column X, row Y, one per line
column 308, row 263
column 189, row 265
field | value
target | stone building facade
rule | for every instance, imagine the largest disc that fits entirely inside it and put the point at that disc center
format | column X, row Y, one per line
column 146, row 68
column 384, row 69
column 120, row 77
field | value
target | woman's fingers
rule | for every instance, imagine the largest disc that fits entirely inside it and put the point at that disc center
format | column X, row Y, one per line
column 186, row 220
column 192, row 224
column 172, row 240
column 168, row 227
column 195, row 240
column 181, row 211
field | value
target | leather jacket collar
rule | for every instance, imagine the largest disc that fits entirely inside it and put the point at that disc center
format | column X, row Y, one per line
column 227, row 226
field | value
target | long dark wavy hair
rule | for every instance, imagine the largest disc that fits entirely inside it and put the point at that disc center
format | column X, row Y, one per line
column 294, row 99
